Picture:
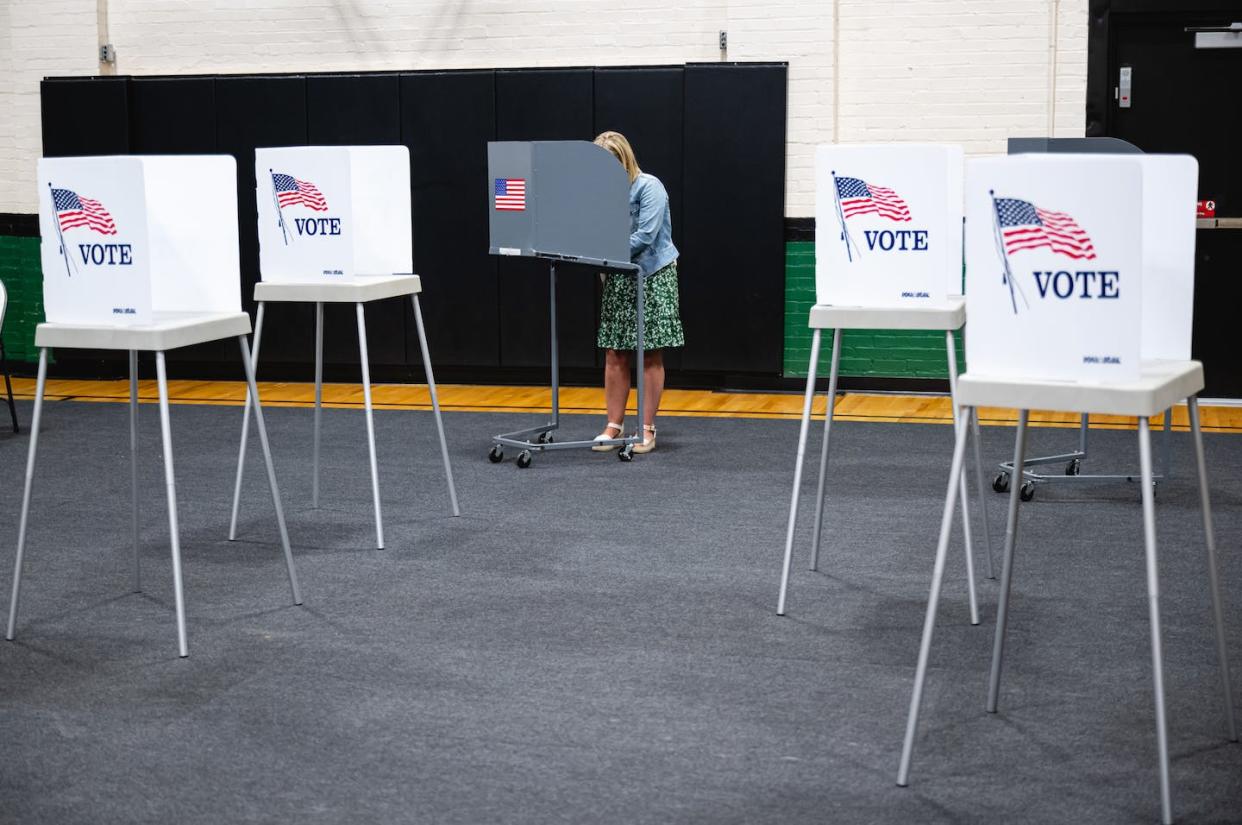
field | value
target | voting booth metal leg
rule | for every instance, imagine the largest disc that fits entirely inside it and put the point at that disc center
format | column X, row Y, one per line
column 1011, row 537
column 435, row 402
column 987, row 529
column 1153, row 602
column 245, row 433
column 318, row 402
column 248, row 364
column 959, row 425
column 1213, row 579
column 520, row 439
column 823, row 450
column 797, row 483
column 933, row 598
column 366, row 398
column 133, row 464
column 170, row 487
column 31, row 452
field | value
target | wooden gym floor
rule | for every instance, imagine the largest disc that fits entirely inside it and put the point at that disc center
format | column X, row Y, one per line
column 878, row 407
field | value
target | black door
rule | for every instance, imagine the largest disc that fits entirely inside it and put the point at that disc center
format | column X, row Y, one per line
column 1186, row 100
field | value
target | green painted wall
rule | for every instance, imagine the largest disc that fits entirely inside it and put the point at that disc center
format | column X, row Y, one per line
column 879, row 354
column 20, row 270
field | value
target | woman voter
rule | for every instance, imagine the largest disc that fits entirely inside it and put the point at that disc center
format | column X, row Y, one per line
column 652, row 250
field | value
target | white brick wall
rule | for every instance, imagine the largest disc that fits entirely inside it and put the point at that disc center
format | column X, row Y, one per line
column 968, row 71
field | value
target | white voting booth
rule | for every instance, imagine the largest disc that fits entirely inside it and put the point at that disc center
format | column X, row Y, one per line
column 333, row 211
column 888, row 255
column 335, row 227
column 128, row 238
column 140, row 254
column 1092, row 256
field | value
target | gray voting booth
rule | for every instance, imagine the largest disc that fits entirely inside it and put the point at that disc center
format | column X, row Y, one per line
column 560, row 200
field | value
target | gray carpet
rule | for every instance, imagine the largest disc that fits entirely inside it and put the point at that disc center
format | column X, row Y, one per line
column 593, row 641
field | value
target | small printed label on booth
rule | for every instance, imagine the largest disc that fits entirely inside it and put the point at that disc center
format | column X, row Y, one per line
column 509, row 250
column 1206, row 209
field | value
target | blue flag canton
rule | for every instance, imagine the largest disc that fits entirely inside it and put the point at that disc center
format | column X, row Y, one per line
column 502, row 186
column 1014, row 212
column 284, row 183
column 852, row 188
column 66, row 199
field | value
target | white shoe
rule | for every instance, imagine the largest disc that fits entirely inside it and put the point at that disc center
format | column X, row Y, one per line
column 604, row 436
column 648, row 442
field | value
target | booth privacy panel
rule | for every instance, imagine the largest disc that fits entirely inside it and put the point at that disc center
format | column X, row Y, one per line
column 1054, row 267
column 565, row 199
column 327, row 211
column 126, row 236
column 888, row 224
column 1170, row 192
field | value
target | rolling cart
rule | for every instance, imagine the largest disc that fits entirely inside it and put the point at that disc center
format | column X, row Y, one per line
column 561, row 201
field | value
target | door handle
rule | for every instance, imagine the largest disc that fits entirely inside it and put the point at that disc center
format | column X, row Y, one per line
column 1218, row 223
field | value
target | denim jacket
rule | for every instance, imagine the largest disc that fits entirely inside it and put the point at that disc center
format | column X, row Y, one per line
column 651, row 225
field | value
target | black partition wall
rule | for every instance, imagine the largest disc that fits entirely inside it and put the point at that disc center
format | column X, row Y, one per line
column 713, row 133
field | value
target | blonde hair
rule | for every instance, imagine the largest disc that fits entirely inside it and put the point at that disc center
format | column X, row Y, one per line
column 616, row 143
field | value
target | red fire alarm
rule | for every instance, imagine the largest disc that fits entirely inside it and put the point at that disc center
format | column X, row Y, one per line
column 1206, row 209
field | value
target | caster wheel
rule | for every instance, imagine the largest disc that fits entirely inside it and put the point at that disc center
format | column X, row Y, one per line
column 1027, row 491
column 1074, row 467
column 545, row 438
column 626, row 453
column 497, row 454
column 1001, row 483
column 523, row 459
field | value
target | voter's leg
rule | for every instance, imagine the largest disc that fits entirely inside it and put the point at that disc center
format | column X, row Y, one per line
column 616, row 390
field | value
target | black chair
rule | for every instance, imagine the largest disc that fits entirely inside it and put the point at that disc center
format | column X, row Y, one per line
column 4, row 364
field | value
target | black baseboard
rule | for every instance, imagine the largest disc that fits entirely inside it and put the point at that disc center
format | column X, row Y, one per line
column 17, row 225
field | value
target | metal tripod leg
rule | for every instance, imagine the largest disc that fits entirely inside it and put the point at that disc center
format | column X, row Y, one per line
column 951, row 351
column 1153, row 601
column 366, row 397
column 318, row 403
column 245, row 433
column 271, row 469
column 833, row 374
column 31, row 452
column 797, row 484
column 1222, row 655
column 933, row 600
column 170, row 488
column 435, row 403
column 1011, row 537
column 133, row 464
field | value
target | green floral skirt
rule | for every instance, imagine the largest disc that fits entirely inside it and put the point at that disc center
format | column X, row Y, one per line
column 618, row 318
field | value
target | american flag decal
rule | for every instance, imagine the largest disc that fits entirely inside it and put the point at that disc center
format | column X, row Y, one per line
column 73, row 210
column 1025, row 226
column 291, row 191
column 857, row 197
column 510, row 194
